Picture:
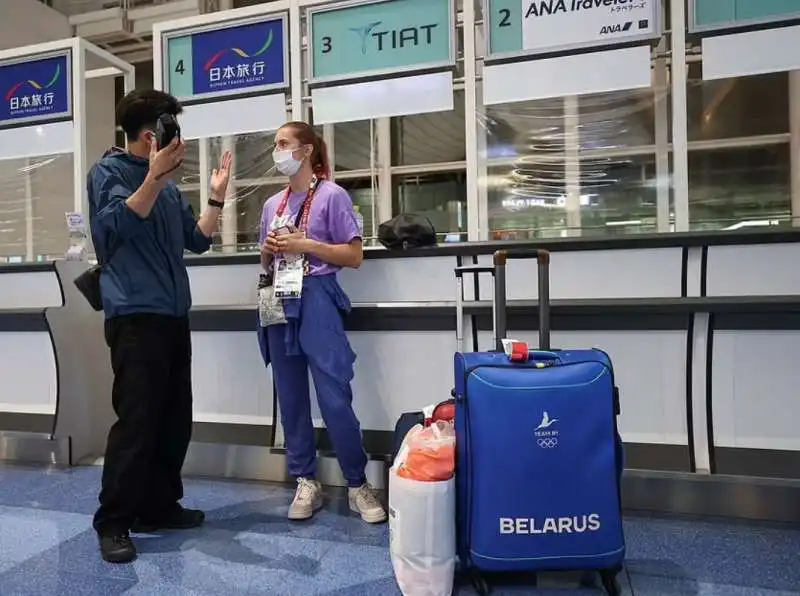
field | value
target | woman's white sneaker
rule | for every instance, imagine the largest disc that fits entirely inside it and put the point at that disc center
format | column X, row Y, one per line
column 364, row 501
column 307, row 499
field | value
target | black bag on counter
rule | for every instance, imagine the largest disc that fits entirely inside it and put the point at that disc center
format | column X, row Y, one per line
column 406, row 231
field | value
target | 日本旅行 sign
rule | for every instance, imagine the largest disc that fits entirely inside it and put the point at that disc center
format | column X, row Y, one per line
column 714, row 15
column 36, row 89
column 227, row 60
column 522, row 27
column 384, row 37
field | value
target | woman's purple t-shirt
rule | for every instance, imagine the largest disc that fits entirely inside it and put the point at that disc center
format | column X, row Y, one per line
column 331, row 220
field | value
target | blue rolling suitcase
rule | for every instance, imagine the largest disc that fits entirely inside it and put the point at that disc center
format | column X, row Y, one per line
column 539, row 459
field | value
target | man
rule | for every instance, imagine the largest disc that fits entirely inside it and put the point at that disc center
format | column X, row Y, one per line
column 141, row 226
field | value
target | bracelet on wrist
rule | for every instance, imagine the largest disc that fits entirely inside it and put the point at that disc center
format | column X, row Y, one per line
column 215, row 203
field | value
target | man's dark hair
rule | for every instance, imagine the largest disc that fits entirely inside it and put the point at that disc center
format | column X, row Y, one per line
column 141, row 108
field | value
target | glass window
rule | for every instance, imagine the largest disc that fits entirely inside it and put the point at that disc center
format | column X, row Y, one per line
column 525, row 128
column 526, row 199
column 739, row 188
column 354, row 146
column 14, row 193
column 249, row 205
column 441, row 197
column 618, row 119
column 47, row 177
column 740, row 107
column 189, row 172
column 364, row 193
column 253, row 155
column 618, row 195
column 430, row 138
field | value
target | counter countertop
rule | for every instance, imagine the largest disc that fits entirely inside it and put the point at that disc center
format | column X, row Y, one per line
column 469, row 249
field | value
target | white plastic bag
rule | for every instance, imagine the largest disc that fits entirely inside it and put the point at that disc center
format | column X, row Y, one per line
column 429, row 453
column 422, row 535
column 270, row 308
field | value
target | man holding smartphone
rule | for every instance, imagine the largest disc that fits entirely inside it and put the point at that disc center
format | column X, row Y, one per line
column 140, row 227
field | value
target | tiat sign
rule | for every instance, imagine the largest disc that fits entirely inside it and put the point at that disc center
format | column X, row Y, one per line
column 392, row 39
column 381, row 38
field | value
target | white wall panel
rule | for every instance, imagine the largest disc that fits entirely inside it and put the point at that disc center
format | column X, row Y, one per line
column 398, row 280
column 230, row 382
column 398, row 372
column 645, row 273
column 751, row 53
column 377, row 280
column 225, row 285
column 756, row 270
column 755, row 384
column 36, row 289
column 577, row 74
column 28, row 370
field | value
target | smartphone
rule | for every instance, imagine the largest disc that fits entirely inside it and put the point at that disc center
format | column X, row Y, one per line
column 167, row 129
column 282, row 231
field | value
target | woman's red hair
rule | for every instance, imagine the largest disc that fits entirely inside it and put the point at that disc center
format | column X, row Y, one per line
column 306, row 135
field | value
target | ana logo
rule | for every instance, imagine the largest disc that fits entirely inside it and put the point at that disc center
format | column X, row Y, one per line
column 391, row 39
column 363, row 33
column 618, row 28
column 33, row 101
column 546, row 438
column 241, row 72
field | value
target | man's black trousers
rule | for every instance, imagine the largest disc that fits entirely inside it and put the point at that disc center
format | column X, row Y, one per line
column 151, row 356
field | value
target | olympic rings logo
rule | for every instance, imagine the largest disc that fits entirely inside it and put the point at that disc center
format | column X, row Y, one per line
column 548, row 443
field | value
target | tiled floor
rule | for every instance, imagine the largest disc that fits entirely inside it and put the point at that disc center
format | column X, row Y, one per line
column 247, row 547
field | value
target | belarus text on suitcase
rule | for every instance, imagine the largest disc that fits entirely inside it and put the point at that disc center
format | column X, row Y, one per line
column 539, row 457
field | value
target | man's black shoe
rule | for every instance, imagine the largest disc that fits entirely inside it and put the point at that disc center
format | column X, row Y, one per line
column 180, row 519
column 118, row 548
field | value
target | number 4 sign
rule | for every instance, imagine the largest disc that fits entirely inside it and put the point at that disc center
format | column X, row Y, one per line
column 243, row 56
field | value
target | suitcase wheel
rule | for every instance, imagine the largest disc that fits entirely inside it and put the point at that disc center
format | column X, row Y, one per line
column 608, row 577
column 480, row 585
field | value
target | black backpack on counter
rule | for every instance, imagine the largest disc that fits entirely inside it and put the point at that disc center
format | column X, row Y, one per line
column 406, row 231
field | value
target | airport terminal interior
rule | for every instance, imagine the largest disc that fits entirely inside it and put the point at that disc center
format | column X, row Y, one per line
column 651, row 146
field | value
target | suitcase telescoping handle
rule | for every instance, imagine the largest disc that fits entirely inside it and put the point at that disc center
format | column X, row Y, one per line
column 500, row 304
column 460, row 271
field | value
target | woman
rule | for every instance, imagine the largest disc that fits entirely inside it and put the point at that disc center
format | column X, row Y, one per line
column 311, row 228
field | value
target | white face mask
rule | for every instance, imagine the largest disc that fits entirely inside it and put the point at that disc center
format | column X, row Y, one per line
column 286, row 163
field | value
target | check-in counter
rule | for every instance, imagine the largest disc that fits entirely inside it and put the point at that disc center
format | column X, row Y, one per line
column 54, row 405
column 702, row 329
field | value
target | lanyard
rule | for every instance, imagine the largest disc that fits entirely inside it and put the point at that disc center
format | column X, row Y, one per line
column 306, row 207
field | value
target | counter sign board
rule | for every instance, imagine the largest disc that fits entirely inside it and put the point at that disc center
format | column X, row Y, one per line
column 715, row 15
column 359, row 40
column 224, row 60
column 36, row 89
column 530, row 27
